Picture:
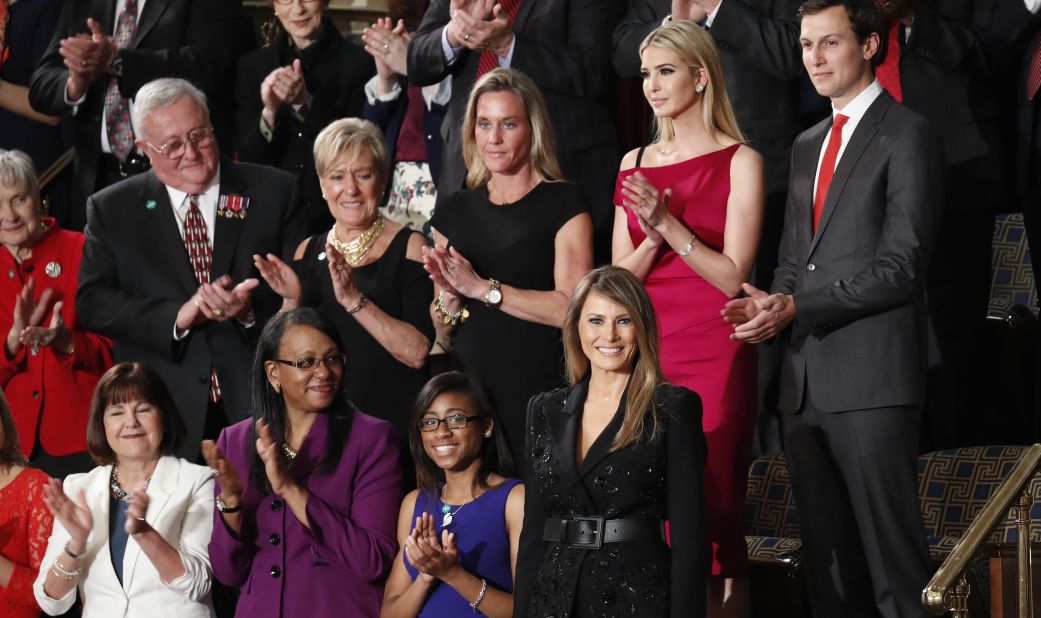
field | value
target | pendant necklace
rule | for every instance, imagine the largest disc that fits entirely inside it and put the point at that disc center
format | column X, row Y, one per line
column 447, row 514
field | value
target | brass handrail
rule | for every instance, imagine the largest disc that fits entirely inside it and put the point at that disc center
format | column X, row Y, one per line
column 938, row 597
column 55, row 168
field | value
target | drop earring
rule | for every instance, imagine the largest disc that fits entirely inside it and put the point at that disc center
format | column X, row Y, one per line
column 277, row 387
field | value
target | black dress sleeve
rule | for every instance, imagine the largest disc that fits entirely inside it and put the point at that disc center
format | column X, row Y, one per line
column 685, row 479
column 306, row 269
column 532, row 547
column 416, row 292
column 571, row 203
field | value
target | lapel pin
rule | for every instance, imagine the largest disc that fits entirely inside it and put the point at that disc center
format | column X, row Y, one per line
column 53, row 269
column 321, row 256
column 10, row 273
column 150, row 204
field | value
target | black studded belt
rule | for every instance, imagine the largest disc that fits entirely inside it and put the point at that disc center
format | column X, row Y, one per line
column 593, row 532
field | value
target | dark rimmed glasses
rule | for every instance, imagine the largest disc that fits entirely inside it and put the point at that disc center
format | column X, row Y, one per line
column 333, row 361
column 456, row 421
column 200, row 137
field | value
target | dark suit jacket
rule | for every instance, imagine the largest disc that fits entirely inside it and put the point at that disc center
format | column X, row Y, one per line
column 390, row 115
column 335, row 71
column 946, row 76
column 758, row 42
column 194, row 39
column 565, row 47
column 858, row 339
column 659, row 478
column 135, row 275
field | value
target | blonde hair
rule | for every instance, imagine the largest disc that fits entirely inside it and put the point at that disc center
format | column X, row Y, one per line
column 542, row 157
column 620, row 286
column 348, row 138
column 696, row 49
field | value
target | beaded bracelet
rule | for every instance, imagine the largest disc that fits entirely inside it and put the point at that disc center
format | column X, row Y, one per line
column 450, row 318
column 480, row 595
column 62, row 573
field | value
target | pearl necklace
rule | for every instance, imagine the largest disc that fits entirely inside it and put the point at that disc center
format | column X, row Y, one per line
column 354, row 251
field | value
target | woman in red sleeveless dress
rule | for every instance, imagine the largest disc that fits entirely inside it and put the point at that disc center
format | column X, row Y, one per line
column 687, row 220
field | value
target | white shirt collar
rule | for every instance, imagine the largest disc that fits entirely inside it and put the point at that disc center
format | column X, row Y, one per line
column 856, row 108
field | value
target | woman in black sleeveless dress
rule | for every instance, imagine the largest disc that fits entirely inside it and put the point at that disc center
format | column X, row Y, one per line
column 365, row 274
column 510, row 249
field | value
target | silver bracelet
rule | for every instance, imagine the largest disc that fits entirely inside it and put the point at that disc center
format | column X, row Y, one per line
column 686, row 249
column 480, row 595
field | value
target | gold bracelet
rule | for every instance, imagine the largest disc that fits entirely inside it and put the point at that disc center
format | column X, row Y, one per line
column 450, row 318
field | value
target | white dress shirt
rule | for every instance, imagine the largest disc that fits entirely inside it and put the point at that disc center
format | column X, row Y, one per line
column 854, row 110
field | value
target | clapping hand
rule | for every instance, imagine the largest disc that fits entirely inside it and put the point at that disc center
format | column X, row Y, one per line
column 282, row 279
column 758, row 316
column 274, row 466
column 482, row 34
column 433, row 559
column 75, row 517
column 450, row 270
column 27, row 317
column 694, row 10
column 283, row 85
column 136, row 511
column 387, row 43
column 87, row 57
column 643, row 198
column 342, row 275
column 217, row 301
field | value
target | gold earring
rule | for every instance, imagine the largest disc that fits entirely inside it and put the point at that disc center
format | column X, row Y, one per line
column 488, row 434
column 277, row 387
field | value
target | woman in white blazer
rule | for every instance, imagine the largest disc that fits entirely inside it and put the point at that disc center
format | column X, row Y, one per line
column 131, row 535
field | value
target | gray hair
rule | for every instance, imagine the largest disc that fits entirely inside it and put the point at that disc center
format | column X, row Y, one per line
column 164, row 92
column 16, row 169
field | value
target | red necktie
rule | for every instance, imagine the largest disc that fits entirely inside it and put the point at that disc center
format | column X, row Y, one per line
column 117, row 107
column 489, row 60
column 888, row 73
column 197, row 243
column 831, row 154
column 1034, row 76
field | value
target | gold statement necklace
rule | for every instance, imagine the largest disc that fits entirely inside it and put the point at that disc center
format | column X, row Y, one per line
column 354, row 252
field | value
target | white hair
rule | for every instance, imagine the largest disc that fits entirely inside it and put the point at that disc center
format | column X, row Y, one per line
column 16, row 169
column 164, row 92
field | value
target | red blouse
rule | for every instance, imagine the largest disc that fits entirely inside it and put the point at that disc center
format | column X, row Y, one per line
column 25, row 526
column 49, row 393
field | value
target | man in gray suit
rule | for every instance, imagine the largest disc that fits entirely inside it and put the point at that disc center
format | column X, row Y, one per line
column 848, row 307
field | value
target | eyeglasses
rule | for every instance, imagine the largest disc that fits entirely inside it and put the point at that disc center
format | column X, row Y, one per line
column 333, row 361
column 288, row 2
column 456, row 421
column 200, row 137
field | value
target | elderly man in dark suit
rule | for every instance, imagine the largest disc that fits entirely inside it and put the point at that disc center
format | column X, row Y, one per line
column 104, row 50
column 167, row 270
column 565, row 47
column 848, row 306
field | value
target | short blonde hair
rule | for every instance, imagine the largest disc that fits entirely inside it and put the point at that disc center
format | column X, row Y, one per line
column 347, row 138
column 620, row 286
column 542, row 157
column 697, row 50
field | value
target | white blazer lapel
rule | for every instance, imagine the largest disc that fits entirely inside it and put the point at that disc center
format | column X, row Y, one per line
column 163, row 483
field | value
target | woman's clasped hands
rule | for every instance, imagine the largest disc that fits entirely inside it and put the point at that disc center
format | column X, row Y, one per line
column 433, row 558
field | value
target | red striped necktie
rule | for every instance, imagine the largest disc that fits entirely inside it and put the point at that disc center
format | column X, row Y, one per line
column 200, row 254
column 489, row 60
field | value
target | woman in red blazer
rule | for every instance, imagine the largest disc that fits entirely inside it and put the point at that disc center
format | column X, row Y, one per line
column 49, row 366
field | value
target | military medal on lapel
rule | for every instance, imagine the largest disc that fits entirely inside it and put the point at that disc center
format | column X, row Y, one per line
column 232, row 206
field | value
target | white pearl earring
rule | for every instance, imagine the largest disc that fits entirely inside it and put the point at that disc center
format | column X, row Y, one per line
column 699, row 88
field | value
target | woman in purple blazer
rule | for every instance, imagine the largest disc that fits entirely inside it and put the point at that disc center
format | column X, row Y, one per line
column 308, row 489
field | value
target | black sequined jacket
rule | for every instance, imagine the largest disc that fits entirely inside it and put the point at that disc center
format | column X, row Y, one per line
column 661, row 478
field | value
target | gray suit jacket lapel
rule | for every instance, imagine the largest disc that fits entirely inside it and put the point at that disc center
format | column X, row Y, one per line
column 863, row 135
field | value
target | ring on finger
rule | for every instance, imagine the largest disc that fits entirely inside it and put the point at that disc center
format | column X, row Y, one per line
column 466, row 37
column 218, row 312
column 386, row 48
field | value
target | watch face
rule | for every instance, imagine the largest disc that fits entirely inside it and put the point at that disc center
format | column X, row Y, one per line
column 494, row 297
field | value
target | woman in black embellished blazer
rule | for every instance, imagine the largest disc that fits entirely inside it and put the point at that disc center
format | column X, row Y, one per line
column 608, row 460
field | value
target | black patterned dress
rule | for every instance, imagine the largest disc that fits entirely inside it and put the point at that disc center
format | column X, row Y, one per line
column 660, row 478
